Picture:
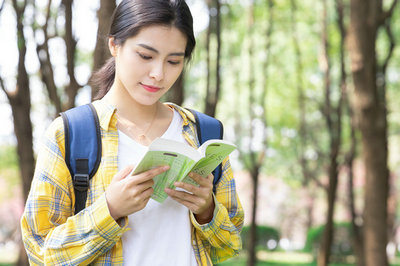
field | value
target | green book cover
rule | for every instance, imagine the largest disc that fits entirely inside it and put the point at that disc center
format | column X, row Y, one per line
column 182, row 160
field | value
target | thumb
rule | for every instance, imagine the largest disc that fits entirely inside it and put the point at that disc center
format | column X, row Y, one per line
column 123, row 173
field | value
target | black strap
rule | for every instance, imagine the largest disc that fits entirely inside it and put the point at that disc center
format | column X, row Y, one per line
column 81, row 184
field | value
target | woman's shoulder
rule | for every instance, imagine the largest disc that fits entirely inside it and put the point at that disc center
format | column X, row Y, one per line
column 54, row 134
column 185, row 113
column 56, row 127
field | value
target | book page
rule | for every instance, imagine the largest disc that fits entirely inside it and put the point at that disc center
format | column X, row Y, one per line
column 160, row 144
column 215, row 152
column 180, row 166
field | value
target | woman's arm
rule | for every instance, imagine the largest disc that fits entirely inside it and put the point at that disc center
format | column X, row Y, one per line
column 221, row 236
column 52, row 234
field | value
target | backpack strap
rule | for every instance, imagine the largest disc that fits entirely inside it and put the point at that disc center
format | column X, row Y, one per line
column 207, row 128
column 82, row 149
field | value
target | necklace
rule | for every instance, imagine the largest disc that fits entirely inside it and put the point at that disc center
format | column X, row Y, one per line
column 131, row 129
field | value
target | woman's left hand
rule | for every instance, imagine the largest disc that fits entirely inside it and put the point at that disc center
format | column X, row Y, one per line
column 198, row 199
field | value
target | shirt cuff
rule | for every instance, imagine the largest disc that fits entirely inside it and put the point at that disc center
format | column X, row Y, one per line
column 219, row 215
column 103, row 222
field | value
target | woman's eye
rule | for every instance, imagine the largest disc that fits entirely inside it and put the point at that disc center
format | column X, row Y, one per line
column 174, row 62
column 145, row 57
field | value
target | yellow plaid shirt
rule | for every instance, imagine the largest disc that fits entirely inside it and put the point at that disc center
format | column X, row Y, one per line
column 53, row 235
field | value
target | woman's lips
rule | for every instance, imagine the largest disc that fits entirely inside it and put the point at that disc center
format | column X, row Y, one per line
column 150, row 88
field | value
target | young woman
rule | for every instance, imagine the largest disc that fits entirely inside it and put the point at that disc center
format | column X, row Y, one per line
column 150, row 42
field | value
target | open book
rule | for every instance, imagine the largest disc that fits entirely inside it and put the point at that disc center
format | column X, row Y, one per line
column 182, row 160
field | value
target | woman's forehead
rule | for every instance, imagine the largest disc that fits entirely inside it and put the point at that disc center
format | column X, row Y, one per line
column 161, row 38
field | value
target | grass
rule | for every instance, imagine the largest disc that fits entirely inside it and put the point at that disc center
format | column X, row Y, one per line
column 276, row 258
column 265, row 258
column 279, row 258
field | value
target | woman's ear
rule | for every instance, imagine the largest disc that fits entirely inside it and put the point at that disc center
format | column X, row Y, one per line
column 112, row 46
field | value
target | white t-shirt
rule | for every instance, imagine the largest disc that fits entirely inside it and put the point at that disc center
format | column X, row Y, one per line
column 160, row 234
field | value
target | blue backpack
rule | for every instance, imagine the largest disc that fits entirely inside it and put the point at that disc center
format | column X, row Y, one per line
column 83, row 146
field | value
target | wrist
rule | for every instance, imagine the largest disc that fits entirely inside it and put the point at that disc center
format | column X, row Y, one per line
column 207, row 215
column 112, row 211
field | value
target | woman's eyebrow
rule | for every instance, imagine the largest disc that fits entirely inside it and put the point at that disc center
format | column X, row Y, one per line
column 156, row 51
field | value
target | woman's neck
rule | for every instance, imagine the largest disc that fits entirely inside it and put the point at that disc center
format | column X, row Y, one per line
column 129, row 109
column 141, row 122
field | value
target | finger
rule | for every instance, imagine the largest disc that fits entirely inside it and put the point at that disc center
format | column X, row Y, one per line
column 188, row 187
column 190, row 205
column 149, row 175
column 182, row 195
column 123, row 173
column 137, row 189
column 147, row 193
column 205, row 182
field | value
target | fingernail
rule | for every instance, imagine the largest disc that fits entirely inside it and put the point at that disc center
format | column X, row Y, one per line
column 166, row 167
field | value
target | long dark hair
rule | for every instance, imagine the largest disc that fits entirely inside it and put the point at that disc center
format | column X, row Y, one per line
column 130, row 17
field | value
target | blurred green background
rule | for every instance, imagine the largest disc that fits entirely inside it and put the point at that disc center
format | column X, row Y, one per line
column 308, row 90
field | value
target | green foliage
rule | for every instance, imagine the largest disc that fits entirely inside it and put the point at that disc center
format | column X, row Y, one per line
column 342, row 240
column 8, row 158
column 314, row 235
column 9, row 172
column 267, row 237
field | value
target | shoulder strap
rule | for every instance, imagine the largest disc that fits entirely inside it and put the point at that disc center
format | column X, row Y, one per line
column 208, row 127
column 82, row 149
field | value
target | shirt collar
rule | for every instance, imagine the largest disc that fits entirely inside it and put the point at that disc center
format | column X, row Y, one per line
column 107, row 119
column 105, row 112
column 186, row 115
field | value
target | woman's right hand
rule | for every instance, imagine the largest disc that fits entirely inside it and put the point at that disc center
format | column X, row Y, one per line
column 128, row 194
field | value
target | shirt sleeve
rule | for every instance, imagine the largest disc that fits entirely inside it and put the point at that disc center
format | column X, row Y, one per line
column 51, row 233
column 221, row 236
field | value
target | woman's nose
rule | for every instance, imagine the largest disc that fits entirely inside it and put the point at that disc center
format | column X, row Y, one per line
column 157, row 72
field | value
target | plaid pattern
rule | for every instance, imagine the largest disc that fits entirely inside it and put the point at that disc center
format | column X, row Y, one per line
column 53, row 235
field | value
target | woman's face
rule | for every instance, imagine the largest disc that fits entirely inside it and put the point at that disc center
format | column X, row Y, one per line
column 148, row 64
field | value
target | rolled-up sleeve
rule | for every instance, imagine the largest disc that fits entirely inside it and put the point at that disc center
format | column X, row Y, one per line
column 221, row 236
column 51, row 233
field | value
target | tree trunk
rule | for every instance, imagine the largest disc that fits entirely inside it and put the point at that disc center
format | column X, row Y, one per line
column 21, row 105
column 349, row 159
column 325, row 250
column 208, row 51
column 333, row 120
column 370, row 109
column 253, row 167
column 252, row 259
column 101, row 52
column 46, row 67
column 357, row 232
column 213, row 92
column 20, row 102
column 350, row 155
column 70, row 44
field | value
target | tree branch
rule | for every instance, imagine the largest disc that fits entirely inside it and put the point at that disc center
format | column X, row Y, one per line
column 388, row 13
column 2, row 5
column 389, row 33
column 19, row 10
column 318, row 182
column 4, row 88
column 264, row 94
column 70, row 44
column 46, row 67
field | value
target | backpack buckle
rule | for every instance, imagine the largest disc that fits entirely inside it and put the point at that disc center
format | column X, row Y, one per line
column 81, row 182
